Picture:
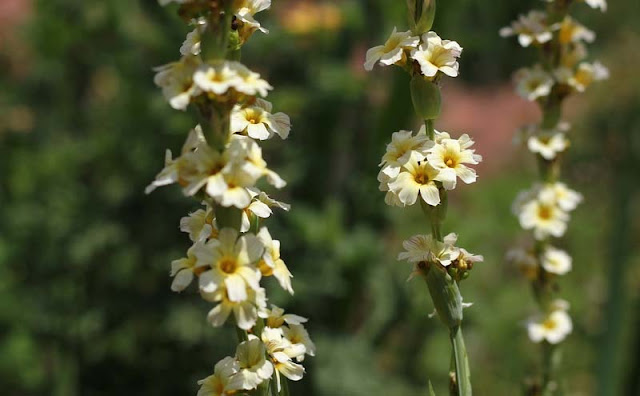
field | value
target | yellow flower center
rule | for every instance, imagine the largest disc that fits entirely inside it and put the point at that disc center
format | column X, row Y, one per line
column 228, row 265
column 549, row 324
column 421, row 177
column 544, row 212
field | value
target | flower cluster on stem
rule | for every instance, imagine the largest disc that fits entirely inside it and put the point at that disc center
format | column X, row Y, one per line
column 545, row 208
column 422, row 167
column 221, row 166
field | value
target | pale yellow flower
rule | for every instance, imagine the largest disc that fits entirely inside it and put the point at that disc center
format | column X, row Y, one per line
column 435, row 54
column 556, row 261
column 221, row 383
column 392, row 51
column 418, row 178
column 230, row 260
column 253, row 366
column 450, row 157
column 177, row 83
column 530, row 29
column 271, row 263
column 258, row 122
column 282, row 351
column 532, row 84
column 553, row 327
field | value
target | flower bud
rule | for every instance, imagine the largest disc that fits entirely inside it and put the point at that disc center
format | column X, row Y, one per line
column 446, row 296
column 425, row 96
column 421, row 15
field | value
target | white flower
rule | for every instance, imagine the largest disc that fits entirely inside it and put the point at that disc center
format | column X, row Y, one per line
column 230, row 261
column 556, row 261
column 282, row 351
column 543, row 216
column 400, row 148
column 601, row 4
column 418, row 177
column 174, row 168
column 250, row 82
column 275, row 318
column 244, row 10
column 466, row 260
column 177, row 83
column 258, row 122
column 199, row 225
column 553, row 328
column 532, row 84
column 253, row 367
column 392, row 51
column 271, row 263
column 222, row 382
column 584, row 76
column 571, row 31
column 191, row 45
column 435, row 54
column 245, row 312
column 450, row 157
column 548, row 145
column 297, row 334
column 260, row 207
column 530, row 28
column 216, row 79
column 425, row 248
column 565, row 197
column 183, row 270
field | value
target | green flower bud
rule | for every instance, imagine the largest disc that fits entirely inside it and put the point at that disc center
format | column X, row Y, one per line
column 425, row 96
column 421, row 15
column 446, row 296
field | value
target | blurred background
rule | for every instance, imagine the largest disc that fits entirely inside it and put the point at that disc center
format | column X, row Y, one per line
column 85, row 304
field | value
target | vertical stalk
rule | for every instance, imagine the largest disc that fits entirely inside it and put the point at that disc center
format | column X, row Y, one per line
column 463, row 374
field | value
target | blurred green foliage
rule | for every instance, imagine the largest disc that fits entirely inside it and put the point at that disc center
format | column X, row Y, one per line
column 85, row 305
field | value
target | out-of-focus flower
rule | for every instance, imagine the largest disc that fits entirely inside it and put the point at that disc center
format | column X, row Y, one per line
column 534, row 83
column 530, row 29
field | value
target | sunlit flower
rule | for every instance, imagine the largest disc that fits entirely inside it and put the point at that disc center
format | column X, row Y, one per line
column 553, row 328
column 425, row 248
column 418, row 178
column 230, row 260
column 245, row 312
column 259, row 207
column 175, row 167
column 297, row 334
column 466, row 260
column 450, row 158
column 216, row 79
column 532, row 84
column 222, row 382
column 601, row 4
column 435, row 54
column 271, row 263
column 275, row 318
column 392, row 51
column 282, row 351
column 250, row 82
column 183, row 270
column 530, row 29
column 400, row 148
column 177, row 82
column 200, row 225
column 556, row 261
column 253, row 366
column 245, row 10
column 258, row 122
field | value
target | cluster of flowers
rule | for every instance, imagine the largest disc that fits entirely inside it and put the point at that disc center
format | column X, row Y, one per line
column 571, row 73
column 229, row 263
column 544, row 209
column 281, row 347
column 415, row 166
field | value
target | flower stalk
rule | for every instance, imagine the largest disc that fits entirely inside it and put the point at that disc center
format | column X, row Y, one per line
column 544, row 209
column 220, row 165
column 424, row 166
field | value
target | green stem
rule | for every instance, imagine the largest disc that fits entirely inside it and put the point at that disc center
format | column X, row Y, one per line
column 463, row 374
column 430, row 127
column 285, row 386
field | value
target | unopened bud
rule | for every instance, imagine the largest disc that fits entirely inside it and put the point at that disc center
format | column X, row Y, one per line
column 425, row 96
column 421, row 15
